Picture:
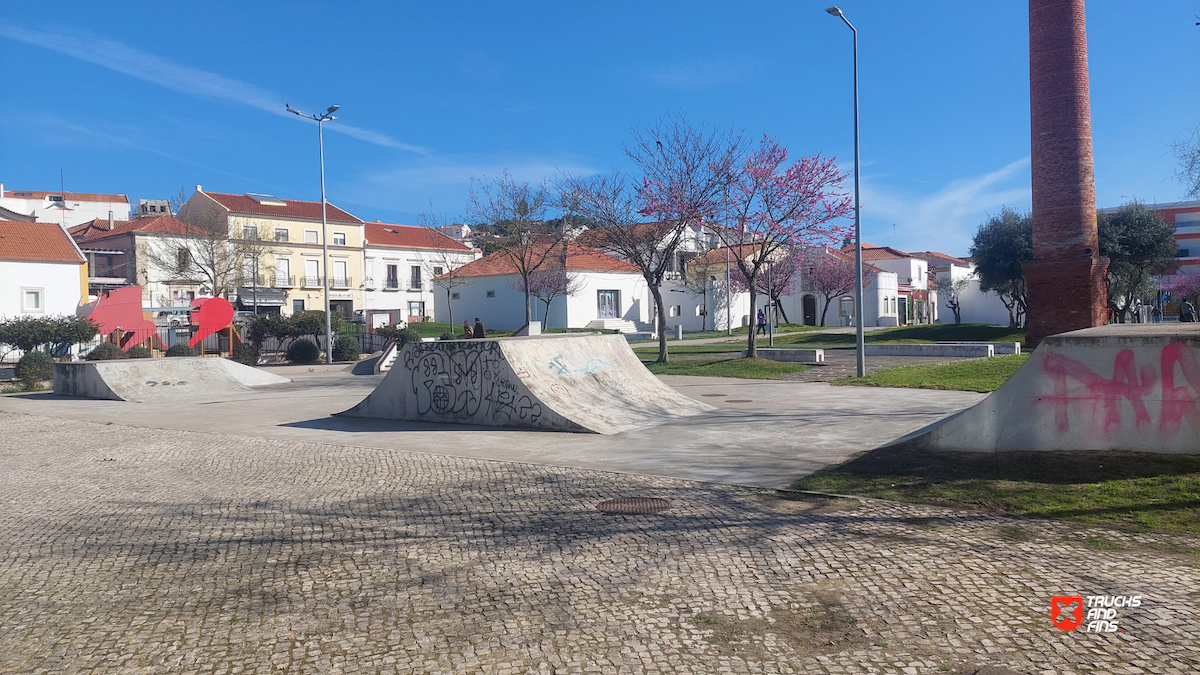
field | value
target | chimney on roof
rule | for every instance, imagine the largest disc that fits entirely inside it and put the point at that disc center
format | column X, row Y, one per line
column 110, row 221
column 1, row 190
column 199, row 188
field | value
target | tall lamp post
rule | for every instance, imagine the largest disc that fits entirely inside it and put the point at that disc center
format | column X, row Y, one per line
column 321, row 120
column 858, row 266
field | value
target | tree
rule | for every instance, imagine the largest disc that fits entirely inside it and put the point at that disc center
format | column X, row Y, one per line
column 779, row 278
column 1187, row 152
column 1138, row 244
column 513, row 213
column 1000, row 246
column 685, row 170
column 1182, row 285
column 774, row 206
column 442, row 266
column 829, row 275
column 253, row 244
column 28, row 333
column 950, row 289
column 701, row 276
column 312, row 323
column 549, row 282
column 199, row 252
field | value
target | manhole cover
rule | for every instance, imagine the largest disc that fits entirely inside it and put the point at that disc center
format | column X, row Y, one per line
column 738, row 400
column 634, row 505
column 714, row 394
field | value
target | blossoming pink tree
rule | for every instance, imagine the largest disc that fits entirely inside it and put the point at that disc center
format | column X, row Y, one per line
column 829, row 275
column 781, row 277
column 773, row 207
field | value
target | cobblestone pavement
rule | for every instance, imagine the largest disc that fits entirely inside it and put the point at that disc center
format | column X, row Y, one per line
column 129, row 550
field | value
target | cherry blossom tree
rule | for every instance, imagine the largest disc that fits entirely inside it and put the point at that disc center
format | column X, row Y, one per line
column 828, row 275
column 779, row 278
column 773, row 207
column 548, row 282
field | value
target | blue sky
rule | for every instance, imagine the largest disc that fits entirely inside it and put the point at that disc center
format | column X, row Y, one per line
column 142, row 98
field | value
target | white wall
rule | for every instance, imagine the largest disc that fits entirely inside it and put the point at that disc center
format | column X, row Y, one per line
column 507, row 309
column 59, row 283
column 912, row 272
column 376, row 260
column 76, row 213
column 977, row 306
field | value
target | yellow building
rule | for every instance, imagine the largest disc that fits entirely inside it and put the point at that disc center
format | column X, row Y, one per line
column 281, row 245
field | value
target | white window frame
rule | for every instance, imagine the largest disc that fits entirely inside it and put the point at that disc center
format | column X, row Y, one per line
column 316, row 237
column 286, row 235
column 335, row 241
column 41, row 296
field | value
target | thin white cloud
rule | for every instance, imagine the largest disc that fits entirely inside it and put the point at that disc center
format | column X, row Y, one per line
column 698, row 73
column 117, row 56
column 945, row 220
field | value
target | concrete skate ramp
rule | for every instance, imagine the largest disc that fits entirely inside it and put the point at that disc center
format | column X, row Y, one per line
column 1118, row 387
column 555, row 382
column 140, row 380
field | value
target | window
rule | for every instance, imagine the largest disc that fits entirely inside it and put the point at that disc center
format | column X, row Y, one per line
column 31, row 299
column 341, row 274
column 310, row 237
column 416, row 308
column 283, row 272
column 55, row 198
column 437, row 271
column 1182, row 253
column 454, row 296
column 312, row 273
column 249, row 232
column 491, row 294
column 183, row 259
column 153, row 208
column 608, row 304
column 297, row 306
column 281, row 234
column 339, row 238
column 393, row 277
column 416, row 276
column 675, row 310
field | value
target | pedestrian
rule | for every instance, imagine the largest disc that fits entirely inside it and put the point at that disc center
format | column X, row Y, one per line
column 762, row 323
column 1189, row 311
column 467, row 334
column 479, row 332
column 1156, row 314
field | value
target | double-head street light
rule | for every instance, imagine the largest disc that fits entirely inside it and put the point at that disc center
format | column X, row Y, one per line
column 321, row 120
column 858, row 264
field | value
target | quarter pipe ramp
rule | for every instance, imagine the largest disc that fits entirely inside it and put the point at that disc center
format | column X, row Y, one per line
column 1117, row 387
column 589, row 383
column 140, row 380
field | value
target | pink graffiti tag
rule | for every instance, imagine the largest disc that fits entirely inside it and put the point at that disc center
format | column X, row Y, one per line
column 1104, row 394
column 1183, row 401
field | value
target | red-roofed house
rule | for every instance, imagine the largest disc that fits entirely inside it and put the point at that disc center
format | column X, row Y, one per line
column 609, row 293
column 400, row 263
column 291, row 277
column 64, row 208
column 42, row 272
column 117, row 255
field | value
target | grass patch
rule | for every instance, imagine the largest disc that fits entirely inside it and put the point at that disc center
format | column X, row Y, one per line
column 982, row 375
column 434, row 329
column 754, row 369
column 1130, row 490
column 691, row 349
column 926, row 334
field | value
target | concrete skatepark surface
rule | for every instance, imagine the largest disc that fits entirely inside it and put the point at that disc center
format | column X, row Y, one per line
column 1116, row 387
column 761, row 432
column 552, row 382
column 140, row 380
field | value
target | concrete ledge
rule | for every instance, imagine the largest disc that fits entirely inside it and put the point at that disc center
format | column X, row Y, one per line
column 791, row 355
column 956, row 349
column 997, row 347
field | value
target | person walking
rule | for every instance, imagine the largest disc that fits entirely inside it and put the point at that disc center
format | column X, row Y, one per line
column 762, row 323
column 467, row 333
column 479, row 331
column 1189, row 311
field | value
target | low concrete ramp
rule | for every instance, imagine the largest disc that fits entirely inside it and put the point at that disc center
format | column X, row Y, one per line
column 589, row 383
column 1118, row 387
column 140, row 380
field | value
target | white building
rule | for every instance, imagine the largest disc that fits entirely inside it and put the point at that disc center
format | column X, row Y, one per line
column 975, row 306
column 399, row 266
column 65, row 209
column 119, row 254
column 608, row 293
column 42, row 272
column 916, row 301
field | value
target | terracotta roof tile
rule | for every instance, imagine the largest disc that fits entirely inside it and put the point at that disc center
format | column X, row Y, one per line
column 36, row 242
column 579, row 259
column 98, row 228
column 409, row 236
column 242, row 204
column 71, row 196
column 873, row 252
column 940, row 259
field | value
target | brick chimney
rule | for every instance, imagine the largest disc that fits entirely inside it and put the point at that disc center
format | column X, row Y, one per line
column 1065, row 279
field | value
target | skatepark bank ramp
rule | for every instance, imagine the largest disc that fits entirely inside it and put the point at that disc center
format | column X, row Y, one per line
column 140, row 380
column 1117, row 387
column 591, row 383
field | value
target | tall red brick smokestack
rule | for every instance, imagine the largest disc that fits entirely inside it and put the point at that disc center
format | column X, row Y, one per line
column 1065, row 279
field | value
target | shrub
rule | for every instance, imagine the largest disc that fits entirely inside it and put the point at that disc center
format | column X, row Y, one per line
column 181, row 349
column 407, row 335
column 448, row 336
column 138, row 352
column 28, row 333
column 105, row 351
column 247, row 355
column 303, row 351
column 346, row 348
column 34, row 368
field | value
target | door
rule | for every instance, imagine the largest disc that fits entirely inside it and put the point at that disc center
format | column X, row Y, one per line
column 609, row 304
column 312, row 273
column 283, row 272
column 903, row 310
column 810, row 310
column 341, row 274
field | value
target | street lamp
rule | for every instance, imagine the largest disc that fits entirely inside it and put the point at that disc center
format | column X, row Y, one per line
column 858, row 264
column 321, row 120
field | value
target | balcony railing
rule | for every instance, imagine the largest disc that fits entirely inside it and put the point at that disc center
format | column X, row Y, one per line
column 392, row 284
column 266, row 281
column 310, row 282
column 416, row 285
column 340, row 282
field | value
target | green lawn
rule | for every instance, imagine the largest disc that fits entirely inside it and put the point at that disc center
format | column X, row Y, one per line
column 939, row 332
column 755, row 369
column 691, row 349
column 1140, row 491
column 982, row 375
column 434, row 329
